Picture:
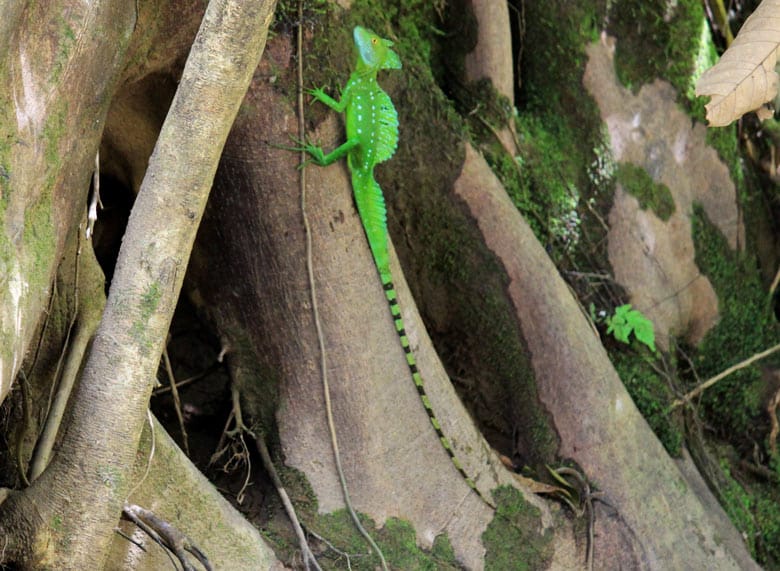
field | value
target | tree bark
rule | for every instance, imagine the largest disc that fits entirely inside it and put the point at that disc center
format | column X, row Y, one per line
column 87, row 483
column 54, row 97
column 167, row 482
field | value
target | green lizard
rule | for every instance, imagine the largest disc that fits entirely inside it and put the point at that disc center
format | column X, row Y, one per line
column 372, row 137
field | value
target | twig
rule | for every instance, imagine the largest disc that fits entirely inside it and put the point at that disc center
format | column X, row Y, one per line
column 71, row 356
column 711, row 381
column 333, row 548
column 775, row 282
column 587, row 497
column 129, row 538
column 772, row 411
column 220, row 449
column 241, row 492
column 308, row 556
column 314, row 308
column 176, row 400
column 239, row 431
column 187, row 381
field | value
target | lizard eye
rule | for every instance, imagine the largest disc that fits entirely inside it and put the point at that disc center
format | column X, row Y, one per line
column 373, row 41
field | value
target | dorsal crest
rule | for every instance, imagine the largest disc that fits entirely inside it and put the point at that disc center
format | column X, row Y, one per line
column 387, row 127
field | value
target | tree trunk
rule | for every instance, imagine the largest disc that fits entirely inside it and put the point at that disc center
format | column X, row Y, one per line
column 501, row 198
column 109, row 408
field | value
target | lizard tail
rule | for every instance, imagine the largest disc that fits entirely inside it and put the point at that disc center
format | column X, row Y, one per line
column 371, row 205
column 395, row 312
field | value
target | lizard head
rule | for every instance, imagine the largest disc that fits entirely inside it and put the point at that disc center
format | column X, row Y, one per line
column 374, row 53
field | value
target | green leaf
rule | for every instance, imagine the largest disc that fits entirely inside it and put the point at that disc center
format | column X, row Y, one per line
column 643, row 330
column 627, row 320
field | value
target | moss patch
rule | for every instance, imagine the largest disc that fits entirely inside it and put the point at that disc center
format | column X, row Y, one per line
column 396, row 539
column 747, row 326
column 66, row 41
column 150, row 298
column 650, row 194
column 513, row 539
column 657, row 39
column 652, row 395
column 558, row 124
column 738, row 504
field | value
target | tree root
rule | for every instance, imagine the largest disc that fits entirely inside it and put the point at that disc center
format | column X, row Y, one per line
column 166, row 535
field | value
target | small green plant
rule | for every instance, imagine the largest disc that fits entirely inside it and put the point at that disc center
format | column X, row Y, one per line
column 627, row 320
column 624, row 322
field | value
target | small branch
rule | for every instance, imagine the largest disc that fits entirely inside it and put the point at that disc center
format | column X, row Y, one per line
column 176, row 400
column 776, row 281
column 709, row 382
column 72, row 355
column 187, row 381
column 308, row 556
column 771, row 409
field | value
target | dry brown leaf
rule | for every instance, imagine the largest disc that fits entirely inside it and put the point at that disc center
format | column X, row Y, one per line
column 744, row 78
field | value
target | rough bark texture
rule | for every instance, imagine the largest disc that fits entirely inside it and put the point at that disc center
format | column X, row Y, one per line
column 177, row 492
column 492, row 57
column 54, row 97
column 253, row 239
column 657, row 521
column 653, row 258
column 110, row 405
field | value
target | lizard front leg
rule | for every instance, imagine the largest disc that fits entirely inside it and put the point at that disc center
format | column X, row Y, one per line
column 319, row 157
column 320, row 95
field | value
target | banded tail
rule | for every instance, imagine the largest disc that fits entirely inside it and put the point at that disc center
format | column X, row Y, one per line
column 395, row 311
column 371, row 206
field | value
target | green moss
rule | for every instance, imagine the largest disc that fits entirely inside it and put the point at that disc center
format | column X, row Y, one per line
column 726, row 142
column 56, row 523
column 396, row 539
column 442, row 550
column 652, row 395
column 650, row 194
column 53, row 132
column 38, row 233
column 767, row 513
column 66, row 40
column 7, row 138
column 747, row 326
column 150, row 298
column 513, row 539
column 561, row 135
column 738, row 505
column 657, row 39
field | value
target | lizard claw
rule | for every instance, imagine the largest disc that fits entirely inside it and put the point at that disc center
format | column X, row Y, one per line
column 316, row 152
column 318, row 93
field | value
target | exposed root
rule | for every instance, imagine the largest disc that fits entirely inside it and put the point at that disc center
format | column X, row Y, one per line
column 166, row 535
column 308, row 557
column 237, row 435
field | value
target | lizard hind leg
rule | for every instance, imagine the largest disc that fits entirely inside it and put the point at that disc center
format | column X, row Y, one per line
column 395, row 312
